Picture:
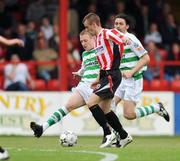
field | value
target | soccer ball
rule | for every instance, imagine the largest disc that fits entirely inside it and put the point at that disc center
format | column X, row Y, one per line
column 68, row 139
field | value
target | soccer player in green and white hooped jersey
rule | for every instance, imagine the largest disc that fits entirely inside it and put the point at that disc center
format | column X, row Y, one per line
column 133, row 63
column 80, row 94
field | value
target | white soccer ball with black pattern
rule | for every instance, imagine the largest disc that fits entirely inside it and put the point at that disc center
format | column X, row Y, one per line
column 68, row 139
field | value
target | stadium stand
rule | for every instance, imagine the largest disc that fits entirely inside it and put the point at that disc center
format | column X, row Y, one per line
column 158, row 20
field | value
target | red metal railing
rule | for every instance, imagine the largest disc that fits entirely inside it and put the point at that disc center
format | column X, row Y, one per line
column 33, row 64
column 162, row 65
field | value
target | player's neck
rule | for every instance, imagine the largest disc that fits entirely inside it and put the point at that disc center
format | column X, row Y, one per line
column 99, row 28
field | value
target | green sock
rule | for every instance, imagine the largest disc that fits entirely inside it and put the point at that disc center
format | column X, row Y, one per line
column 146, row 110
column 56, row 117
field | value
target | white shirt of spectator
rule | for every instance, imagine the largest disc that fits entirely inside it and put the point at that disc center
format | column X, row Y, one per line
column 48, row 31
column 154, row 36
column 21, row 74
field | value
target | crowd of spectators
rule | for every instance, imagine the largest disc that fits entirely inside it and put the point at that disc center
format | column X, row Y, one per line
column 36, row 23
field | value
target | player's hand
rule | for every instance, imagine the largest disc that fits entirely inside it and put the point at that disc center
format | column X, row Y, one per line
column 18, row 42
column 127, row 74
column 126, row 41
column 94, row 84
column 75, row 74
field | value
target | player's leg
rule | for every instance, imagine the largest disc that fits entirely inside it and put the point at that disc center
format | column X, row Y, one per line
column 132, row 97
column 115, row 102
column 99, row 116
column 118, row 96
column 75, row 101
column 97, row 112
column 3, row 154
column 129, row 110
column 158, row 108
column 112, row 119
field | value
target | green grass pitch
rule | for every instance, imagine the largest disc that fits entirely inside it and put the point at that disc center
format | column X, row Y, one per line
column 161, row 148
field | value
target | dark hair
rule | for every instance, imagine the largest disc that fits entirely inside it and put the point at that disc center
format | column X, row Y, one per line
column 92, row 17
column 129, row 20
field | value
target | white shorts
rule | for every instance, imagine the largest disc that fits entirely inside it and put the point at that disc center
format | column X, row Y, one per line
column 130, row 89
column 84, row 90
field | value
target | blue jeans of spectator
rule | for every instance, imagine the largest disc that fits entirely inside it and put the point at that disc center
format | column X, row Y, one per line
column 168, row 77
column 17, row 86
column 148, row 75
column 44, row 75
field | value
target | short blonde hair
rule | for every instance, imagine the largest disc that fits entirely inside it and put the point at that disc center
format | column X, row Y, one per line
column 85, row 32
column 92, row 17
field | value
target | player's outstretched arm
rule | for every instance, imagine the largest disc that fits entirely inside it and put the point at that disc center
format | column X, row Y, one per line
column 10, row 42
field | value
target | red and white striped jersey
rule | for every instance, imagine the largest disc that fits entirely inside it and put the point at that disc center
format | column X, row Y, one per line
column 104, row 48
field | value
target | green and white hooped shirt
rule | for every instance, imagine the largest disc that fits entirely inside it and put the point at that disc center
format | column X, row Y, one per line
column 131, row 55
column 90, row 67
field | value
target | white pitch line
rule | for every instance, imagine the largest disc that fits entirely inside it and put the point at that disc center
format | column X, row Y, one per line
column 108, row 156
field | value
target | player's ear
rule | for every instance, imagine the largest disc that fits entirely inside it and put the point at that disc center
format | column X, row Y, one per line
column 127, row 27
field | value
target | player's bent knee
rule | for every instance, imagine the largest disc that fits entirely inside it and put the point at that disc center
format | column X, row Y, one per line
column 70, row 106
column 129, row 115
column 88, row 104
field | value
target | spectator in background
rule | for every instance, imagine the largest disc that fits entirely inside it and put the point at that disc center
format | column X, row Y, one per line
column 153, row 70
column 73, row 58
column 6, row 20
column 110, row 21
column 51, row 8
column 43, row 53
column 143, row 21
column 16, row 75
column 31, row 31
column 140, row 14
column 36, row 11
column 173, row 72
column 153, row 35
column 73, row 21
column 54, row 41
column 3, row 51
column 120, row 7
column 160, row 18
column 170, row 30
column 46, row 28
column 155, row 8
column 24, row 53
column 73, row 51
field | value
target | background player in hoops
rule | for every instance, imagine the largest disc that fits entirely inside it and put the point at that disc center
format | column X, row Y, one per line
column 9, row 42
column 133, row 63
column 108, row 80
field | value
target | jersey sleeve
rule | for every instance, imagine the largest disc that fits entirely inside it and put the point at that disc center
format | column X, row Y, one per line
column 137, row 47
column 113, row 37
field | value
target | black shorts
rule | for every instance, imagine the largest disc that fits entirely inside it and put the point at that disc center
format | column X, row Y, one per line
column 108, row 83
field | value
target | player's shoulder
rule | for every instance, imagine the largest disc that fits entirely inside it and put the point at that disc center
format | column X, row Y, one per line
column 132, row 37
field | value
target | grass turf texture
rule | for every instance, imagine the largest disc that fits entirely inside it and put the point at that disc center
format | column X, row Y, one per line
column 161, row 148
